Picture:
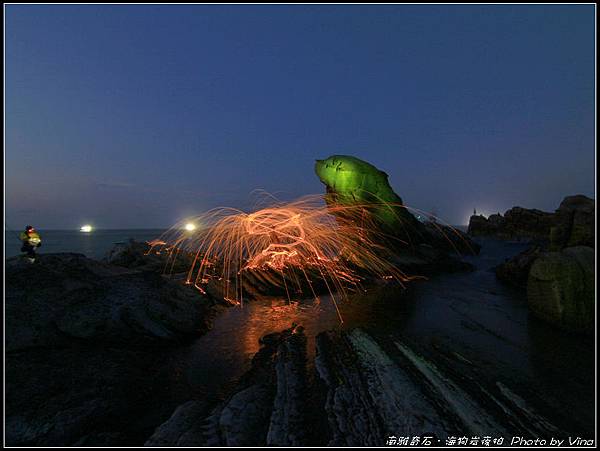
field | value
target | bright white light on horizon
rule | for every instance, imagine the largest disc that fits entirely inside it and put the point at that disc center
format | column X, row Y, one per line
column 190, row 227
column 86, row 228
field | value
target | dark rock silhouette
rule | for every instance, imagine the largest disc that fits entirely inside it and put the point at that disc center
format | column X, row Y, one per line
column 574, row 223
column 560, row 288
column 517, row 223
column 88, row 349
column 138, row 255
column 515, row 270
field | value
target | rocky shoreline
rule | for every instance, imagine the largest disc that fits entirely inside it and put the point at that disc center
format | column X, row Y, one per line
column 96, row 352
column 558, row 270
column 356, row 394
column 88, row 348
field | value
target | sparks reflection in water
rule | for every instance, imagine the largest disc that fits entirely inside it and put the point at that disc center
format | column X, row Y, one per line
column 291, row 245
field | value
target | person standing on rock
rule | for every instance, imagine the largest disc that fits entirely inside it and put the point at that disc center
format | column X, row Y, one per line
column 31, row 240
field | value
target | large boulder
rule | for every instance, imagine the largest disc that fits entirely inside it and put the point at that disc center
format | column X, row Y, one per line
column 574, row 223
column 515, row 270
column 560, row 288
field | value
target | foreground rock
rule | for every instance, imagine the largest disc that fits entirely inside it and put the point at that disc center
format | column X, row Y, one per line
column 268, row 406
column 560, row 288
column 357, row 394
column 68, row 296
column 368, row 396
column 88, row 347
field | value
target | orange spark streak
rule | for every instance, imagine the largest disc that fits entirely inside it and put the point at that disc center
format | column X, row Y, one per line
column 338, row 245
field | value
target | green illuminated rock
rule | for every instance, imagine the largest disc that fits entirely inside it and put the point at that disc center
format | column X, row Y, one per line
column 350, row 180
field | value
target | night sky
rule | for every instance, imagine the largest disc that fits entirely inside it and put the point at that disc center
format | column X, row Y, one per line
column 138, row 116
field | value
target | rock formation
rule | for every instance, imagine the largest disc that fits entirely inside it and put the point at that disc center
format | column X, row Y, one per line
column 574, row 223
column 357, row 394
column 515, row 270
column 137, row 255
column 559, row 270
column 560, row 288
column 517, row 223
column 424, row 246
column 88, row 348
column 349, row 180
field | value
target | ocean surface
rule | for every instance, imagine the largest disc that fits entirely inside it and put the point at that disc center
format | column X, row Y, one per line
column 95, row 244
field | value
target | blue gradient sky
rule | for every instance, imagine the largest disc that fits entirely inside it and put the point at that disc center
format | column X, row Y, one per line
column 136, row 116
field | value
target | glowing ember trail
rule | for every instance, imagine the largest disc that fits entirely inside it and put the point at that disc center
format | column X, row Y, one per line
column 294, row 246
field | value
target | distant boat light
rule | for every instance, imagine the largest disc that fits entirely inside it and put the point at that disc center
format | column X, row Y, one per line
column 86, row 229
column 190, row 227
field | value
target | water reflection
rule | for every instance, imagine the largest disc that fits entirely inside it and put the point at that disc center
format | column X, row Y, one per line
column 226, row 351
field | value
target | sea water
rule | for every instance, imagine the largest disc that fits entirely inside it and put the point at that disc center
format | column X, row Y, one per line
column 94, row 244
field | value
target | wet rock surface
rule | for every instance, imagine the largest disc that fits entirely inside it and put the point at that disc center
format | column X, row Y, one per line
column 88, row 346
column 358, row 393
column 267, row 406
column 368, row 396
